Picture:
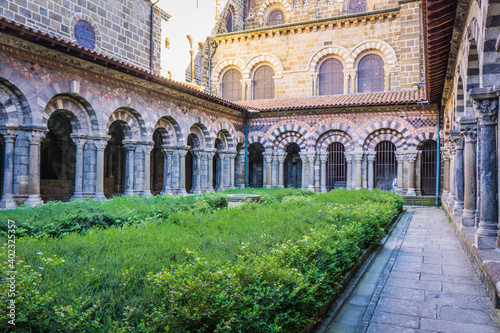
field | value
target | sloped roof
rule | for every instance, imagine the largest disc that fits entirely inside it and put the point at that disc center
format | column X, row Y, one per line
column 401, row 97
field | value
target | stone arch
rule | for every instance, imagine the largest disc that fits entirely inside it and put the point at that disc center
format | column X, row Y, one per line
column 224, row 64
column 237, row 17
column 340, row 52
column 284, row 139
column 269, row 58
column 131, row 124
column 83, row 17
column 14, row 105
column 385, row 125
column 420, row 138
column 385, row 135
column 258, row 137
column 301, row 130
column 228, row 132
column 203, row 134
column 269, row 3
column 389, row 55
column 75, row 111
column 170, row 130
column 327, row 127
column 334, row 136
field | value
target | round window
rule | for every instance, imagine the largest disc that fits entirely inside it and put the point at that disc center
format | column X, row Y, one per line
column 85, row 35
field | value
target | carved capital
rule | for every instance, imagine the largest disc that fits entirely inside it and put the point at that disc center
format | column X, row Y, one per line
column 36, row 137
column 358, row 157
column 9, row 135
column 147, row 148
column 469, row 131
column 100, row 144
column 268, row 156
column 130, row 145
column 167, row 150
column 324, row 157
column 400, row 156
column 371, row 156
column 457, row 139
column 486, row 111
column 411, row 157
column 79, row 142
column 281, row 157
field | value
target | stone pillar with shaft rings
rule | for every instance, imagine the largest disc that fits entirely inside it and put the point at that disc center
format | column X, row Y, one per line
column 400, row 158
column 267, row 172
column 182, row 151
column 130, row 146
column 80, row 141
column 324, row 165
column 451, row 175
column 9, row 136
column 371, row 170
column 468, row 130
column 445, row 157
column 486, row 107
column 281, row 169
column 210, row 156
column 35, row 138
column 167, row 169
column 458, row 140
column 147, row 148
column 358, row 157
column 311, row 157
column 100, row 144
column 348, row 159
column 411, row 157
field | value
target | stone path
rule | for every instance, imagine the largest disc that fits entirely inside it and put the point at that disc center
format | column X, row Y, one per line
column 420, row 281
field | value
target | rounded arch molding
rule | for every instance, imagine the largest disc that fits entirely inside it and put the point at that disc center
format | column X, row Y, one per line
column 222, row 65
column 284, row 139
column 78, row 115
column 334, row 136
column 378, row 45
column 339, row 51
column 268, row 3
column 265, row 57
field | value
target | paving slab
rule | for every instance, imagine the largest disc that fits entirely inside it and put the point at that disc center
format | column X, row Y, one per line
column 421, row 281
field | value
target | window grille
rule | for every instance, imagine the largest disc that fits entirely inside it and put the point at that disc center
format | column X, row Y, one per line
column 275, row 18
column 371, row 74
column 331, row 77
column 231, row 85
column 428, row 167
column 357, row 6
column 263, row 83
column 85, row 35
column 385, row 165
column 336, row 171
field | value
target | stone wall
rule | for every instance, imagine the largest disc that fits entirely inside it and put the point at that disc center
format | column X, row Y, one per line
column 122, row 27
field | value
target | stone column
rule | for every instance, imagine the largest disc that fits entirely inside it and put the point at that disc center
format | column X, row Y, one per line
column 182, row 151
column 305, row 167
column 311, row 156
column 400, row 157
column 468, row 130
column 358, row 157
column 274, row 171
column 80, row 141
column 411, row 157
column 486, row 111
column 8, row 201
column 267, row 169
column 167, row 169
column 451, row 195
column 281, row 169
column 445, row 157
column 371, row 170
column 198, row 169
column 100, row 144
column 418, row 174
column 458, row 207
column 324, row 165
column 232, row 156
column 35, row 139
column 130, row 145
column 348, row 159
column 210, row 160
column 221, row 184
column 147, row 148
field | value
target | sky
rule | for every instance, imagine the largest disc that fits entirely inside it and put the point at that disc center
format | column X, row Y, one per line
column 194, row 17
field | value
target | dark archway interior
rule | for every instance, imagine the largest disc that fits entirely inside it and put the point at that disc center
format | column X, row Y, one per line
column 57, row 160
column 157, row 163
column 336, row 171
column 385, row 165
column 428, row 167
column 190, row 162
column 255, row 165
column 115, row 157
column 293, row 166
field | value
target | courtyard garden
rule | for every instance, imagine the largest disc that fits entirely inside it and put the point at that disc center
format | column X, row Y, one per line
column 187, row 264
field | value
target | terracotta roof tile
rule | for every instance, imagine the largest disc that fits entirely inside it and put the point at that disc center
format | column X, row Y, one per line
column 338, row 101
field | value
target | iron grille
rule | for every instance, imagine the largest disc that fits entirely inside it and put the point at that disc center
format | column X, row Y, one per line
column 385, row 165
column 263, row 83
column 331, row 77
column 275, row 18
column 429, row 167
column 357, row 6
column 231, row 85
column 336, row 175
column 371, row 74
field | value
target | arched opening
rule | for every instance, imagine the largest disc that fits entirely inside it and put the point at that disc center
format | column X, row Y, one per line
column 428, row 167
column 371, row 74
column 275, row 18
column 336, row 172
column 231, row 85
column 263, row 83
column 331, row 77
column 293, row 166
column 385, row 165
column 57, row 160
column 229, row 21
column 255, row 165
column 115, row 156
column 157, row 163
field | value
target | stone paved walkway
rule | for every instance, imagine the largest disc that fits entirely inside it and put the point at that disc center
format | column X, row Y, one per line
column 420, row 281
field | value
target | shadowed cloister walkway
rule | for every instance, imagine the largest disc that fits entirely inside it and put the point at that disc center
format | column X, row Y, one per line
column 420, row 281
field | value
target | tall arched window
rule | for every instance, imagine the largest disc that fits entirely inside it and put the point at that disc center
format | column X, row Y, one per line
column 263, row 83
column 231, row 85
column 357, row 6
column 336, row 172
column 331, row 77
column 275, row 18
column 428, row 167
column 229, row 22
column 371, row 74
column 385, row 165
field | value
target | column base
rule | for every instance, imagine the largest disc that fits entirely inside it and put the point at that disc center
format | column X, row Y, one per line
column 486, row 241
column 444, row 196
column 8, row 202
column 129, row 192
column 323, row 189
column 33, row 200
column 167, row 191
column 183, row 192
column 468, row 218
column 147, row 194
column 210, row 189
column 358, row 188
column 370, row 188
column 100, row 196
column 267, row 186
column 411, row 192
column 458, row 208
column 77, row 196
